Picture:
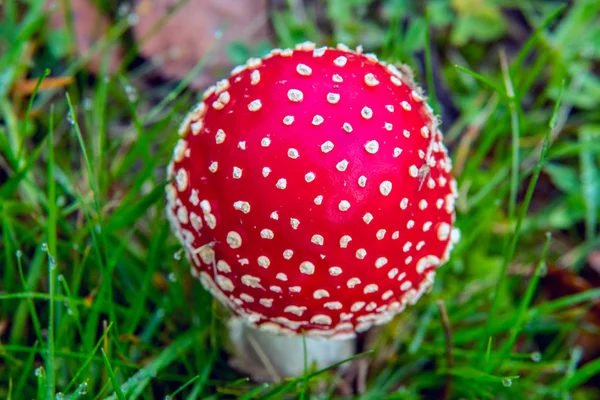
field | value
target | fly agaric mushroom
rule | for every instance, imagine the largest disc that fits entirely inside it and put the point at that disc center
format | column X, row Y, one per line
column 312, row 193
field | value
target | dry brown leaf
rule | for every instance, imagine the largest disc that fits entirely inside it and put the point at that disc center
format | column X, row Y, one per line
column 189, row 33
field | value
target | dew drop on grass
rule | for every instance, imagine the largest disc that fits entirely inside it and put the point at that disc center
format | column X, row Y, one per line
column 87, row 103
column 39, row 372
column 59, row 396
column 133, row 19
column 178, row 255
column 60, row 278
column 536, row 356
column 167, row 397
column 506, row 382
column 82, row 388
column 44, row 247
column 70, row 119
column 52, row 261
column 18, row 253
column 172, row 277
column 543, row 271
column 131, row 93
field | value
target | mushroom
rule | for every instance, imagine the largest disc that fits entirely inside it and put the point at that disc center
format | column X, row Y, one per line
column 313, row 196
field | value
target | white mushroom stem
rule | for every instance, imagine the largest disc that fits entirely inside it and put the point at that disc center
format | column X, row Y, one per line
column 267, row 356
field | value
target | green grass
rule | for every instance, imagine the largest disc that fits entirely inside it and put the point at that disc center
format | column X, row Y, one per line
column 96, row 302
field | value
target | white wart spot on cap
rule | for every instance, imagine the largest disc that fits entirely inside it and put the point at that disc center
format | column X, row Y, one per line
column 267, row 234
column 388, row 127
column 443, row 232
column 242, row 206
column 281, row 184
column 263, row 261
column 413, row 171
column 274, row 215
column 347, row 127
column 427, row 225
column 422, row 204
column 368, row 217
column 317, row 120
column 406, row 133
column 309, row 177
column 327, row 146
column 406, row 105
column 255, row 105
column 425, row 132
column 197, row 127
column 380, row 262
column 321, row 319
column 333, row 305
column 242, row 144
column 308, row 268
column 288, row 120
column 340, row 61
column 293, row 153
column 344, row 205
column 335, row 271
column 288, row 254
column 344, row 240
column 396, row 81
column 404, row 203
column 385, row 188
column 410, row 224
column 295, row 95
column 362, row 181
column 318, row 200
column 234, row 240
column 416, row 96
column 372, row 146
column 304, row 70
column 380, row 234
column 342, row 165
column 295, row 310
column 389, row 107
column 265, row 142
column 281, row 276
column 397, row 152
column 392, row 273
column 352, row 282
column 371, row 288
column 333, row 98
column 320, row 294
column 371, row 80
column 366, row 113
column 181, row 179
column 266, row 171
column 251, row 281
column 361, row 254
column 407, row 246
column 222, row 266
column 266, row 302
column 319, row 51
column 337, row 78
column 294, row 223
column 317, row 239
column 359, row 305
column 255, row 77
column 237, row 173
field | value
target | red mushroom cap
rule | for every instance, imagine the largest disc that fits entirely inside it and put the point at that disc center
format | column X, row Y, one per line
column 312, row 191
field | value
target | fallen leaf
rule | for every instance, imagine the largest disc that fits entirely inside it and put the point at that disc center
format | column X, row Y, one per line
column 27, row 86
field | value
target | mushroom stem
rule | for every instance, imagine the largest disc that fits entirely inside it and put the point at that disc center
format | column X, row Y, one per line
column 268, row 356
